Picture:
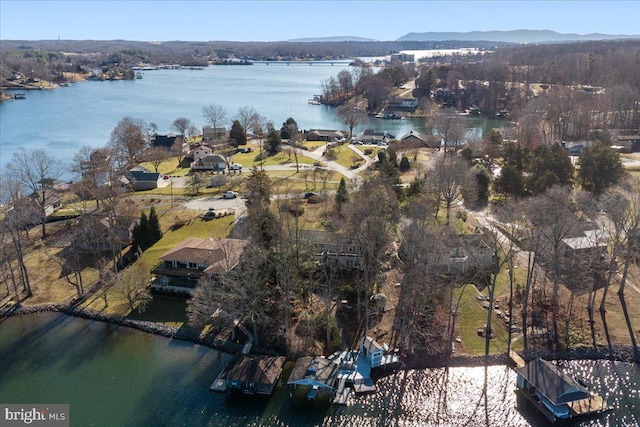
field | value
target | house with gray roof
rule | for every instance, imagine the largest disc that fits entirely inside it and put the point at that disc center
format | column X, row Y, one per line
column 141, row 178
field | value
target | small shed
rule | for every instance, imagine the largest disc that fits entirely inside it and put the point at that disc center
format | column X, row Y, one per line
column 372, row 351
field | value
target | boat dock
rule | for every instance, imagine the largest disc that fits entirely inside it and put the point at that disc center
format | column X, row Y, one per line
column 341, row 373
column 342, row 392
column 555, row 394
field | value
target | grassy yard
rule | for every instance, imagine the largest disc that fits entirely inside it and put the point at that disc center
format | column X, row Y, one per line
column 312, row 145
column 346, row 157
column 168, row 167
column 193, row 227
column 473, row 316
column 248, row 160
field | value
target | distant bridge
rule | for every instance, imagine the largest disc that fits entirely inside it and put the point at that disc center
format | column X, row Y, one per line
column 337, row 62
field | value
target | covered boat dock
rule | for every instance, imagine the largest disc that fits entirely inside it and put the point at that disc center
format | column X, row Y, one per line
column 555, row 394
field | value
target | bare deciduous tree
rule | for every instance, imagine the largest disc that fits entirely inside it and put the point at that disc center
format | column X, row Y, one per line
column 248, row 118
column 155, row 156
column 452, row 181
column 181, row 125
column 177, row 151
column 128, row 139
column 216, row 116
column 450, row 129
column 351, row 115
column 36, row 172
column 132, row 285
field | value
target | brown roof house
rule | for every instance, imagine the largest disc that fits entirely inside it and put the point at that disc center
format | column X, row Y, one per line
column 250, row 374
column 416, row 139
column 325, row 135
column 182, row 267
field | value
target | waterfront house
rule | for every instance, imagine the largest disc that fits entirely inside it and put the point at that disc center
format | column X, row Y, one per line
column 591, row 242
column 370, row 136
column 200, row 152
column 98, row 233
column 166, row 140
column 325, row 135
column 416, row 139
column 185, row 264
column 402, row 57
column 333, row 250
column 250, row 374
column 140, row 179
column 51, row 203
column 470, row 254
column 213, row 162
column 209, row 134
column 629, row 143
column 403, row 104
column 465, row 254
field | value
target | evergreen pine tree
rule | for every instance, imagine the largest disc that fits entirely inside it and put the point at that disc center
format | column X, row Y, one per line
column 155, row 232
column 139, row 233
column 404, row 164
column 342, row 195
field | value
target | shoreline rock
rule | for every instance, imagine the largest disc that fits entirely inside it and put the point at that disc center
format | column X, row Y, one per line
column 619, row 353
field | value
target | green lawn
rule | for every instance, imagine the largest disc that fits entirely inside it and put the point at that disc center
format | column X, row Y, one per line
column 345, row 156
column 312, row 145
column 471, row 317
column 248, row 160
column 167, row 167
column 292, row 182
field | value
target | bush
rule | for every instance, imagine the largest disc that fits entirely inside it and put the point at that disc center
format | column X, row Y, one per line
column 404, row 164
column 330, row 154
column 295, row 208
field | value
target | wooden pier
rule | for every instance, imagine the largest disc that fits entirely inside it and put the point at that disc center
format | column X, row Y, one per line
column 593, row 405
column 579, row 408
column 519, row 361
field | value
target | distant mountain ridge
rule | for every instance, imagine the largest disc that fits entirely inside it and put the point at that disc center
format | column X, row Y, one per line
column 513, row 36
column 332, row 39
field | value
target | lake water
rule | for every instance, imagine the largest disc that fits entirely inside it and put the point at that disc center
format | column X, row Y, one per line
column 63, row 120
column 114, row 376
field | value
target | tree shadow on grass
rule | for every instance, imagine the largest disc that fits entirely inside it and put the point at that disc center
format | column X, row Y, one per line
column 162, row 309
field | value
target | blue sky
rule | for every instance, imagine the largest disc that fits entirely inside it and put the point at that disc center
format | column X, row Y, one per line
column 283, row 20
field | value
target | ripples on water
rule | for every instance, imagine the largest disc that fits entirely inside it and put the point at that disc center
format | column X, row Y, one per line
column 116, row 376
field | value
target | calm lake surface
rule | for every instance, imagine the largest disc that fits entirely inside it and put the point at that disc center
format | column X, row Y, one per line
column 115, row 376
column 65, row 119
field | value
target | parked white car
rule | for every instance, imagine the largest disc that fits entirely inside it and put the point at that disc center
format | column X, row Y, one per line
column 235, row 167
column 229, row 195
